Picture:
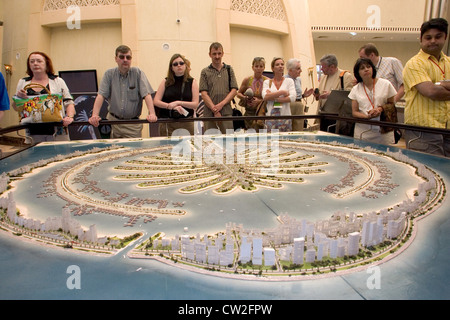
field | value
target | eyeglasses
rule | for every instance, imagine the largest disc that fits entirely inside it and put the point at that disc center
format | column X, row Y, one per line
column 122, row 57
column 175, row 64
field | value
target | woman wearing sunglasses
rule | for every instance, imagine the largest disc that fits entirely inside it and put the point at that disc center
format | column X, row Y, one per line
column 177, row 97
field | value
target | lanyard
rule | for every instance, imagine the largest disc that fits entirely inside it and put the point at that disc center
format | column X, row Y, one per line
column 442, row 71
column 379, row 63
column 371, row 102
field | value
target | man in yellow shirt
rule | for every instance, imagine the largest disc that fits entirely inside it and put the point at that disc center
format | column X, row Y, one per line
column 426, row 78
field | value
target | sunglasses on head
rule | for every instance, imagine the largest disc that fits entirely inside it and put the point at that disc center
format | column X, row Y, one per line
column 122, row 57
column 175, row 64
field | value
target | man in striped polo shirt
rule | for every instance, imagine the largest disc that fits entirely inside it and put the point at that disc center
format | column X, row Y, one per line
column 426, row 78
column 388, row 68
column 218, row 87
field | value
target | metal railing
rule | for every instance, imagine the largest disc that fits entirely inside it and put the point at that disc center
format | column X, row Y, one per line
column 400, row 126
column 240, row 118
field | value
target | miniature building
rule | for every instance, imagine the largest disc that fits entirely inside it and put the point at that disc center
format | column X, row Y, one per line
column 257, row 251
column 297, row 256
column 269, row 256
column 353, row 243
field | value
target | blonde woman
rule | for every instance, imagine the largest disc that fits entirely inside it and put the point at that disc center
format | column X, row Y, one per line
column 279, row 93
column 251, row 99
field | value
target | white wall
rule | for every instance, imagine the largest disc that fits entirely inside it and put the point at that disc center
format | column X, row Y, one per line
column 248, row 44
column 91, row 47
column 190, row 37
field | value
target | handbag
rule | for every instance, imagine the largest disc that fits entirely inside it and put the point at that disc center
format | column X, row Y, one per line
column 389, row 114
column 238, row 124
column 40, row 108
column 282, row 125
column 261, row 110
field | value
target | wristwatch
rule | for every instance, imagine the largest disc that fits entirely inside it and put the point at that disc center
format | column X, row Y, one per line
column 440, row 82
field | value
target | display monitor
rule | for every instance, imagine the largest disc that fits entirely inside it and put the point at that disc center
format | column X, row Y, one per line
column 80, row 81
column 268, row 74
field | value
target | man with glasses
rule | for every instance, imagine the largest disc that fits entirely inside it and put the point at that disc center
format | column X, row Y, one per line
column 334, row 78
column 125, row 88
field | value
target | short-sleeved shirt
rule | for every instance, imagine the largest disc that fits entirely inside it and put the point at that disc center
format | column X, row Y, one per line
column 125, row 93
column 391, row 69
column 4, row 98
column 217, row 83
column 420, row 110
column 383, row 91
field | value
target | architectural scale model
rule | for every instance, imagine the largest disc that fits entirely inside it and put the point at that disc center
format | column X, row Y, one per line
column 222, row 168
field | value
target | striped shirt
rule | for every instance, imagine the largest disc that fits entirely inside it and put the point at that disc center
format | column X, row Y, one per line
column 218, row 85
column 420, row 110
column 125, row 93
column 390, row 69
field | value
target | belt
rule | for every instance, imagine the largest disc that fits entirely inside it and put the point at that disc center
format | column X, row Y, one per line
column 120, row 118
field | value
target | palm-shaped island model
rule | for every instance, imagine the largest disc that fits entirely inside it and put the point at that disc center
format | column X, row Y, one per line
column 173, row 179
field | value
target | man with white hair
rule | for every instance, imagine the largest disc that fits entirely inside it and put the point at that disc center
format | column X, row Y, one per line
column 294, row 68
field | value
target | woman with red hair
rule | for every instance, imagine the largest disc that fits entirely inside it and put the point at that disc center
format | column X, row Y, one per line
column 40, row 71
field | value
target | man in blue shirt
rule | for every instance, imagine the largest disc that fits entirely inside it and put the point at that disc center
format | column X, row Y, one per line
column 4, row 98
